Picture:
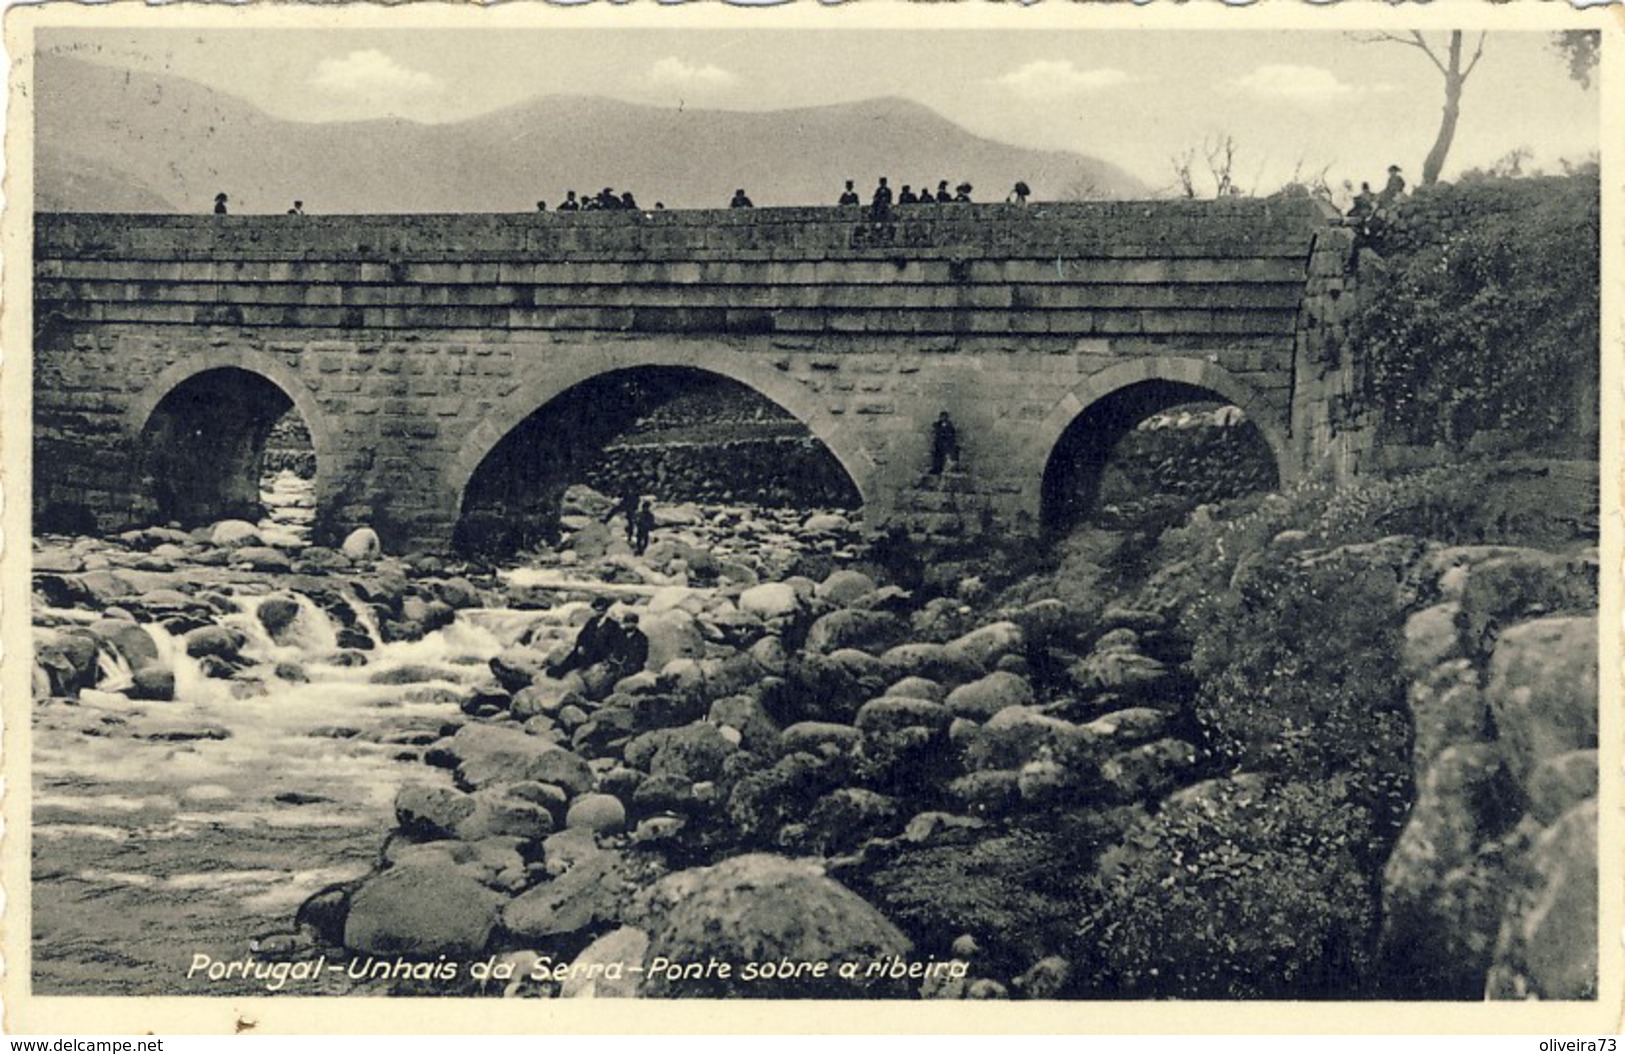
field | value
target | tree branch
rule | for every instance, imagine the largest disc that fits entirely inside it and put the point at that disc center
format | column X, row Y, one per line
column 1477, row 54
column 1420, row 41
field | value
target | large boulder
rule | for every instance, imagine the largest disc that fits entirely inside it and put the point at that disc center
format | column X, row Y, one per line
column 1441, row 895
column 422, row 911
column 983, row 698
column 431, row 812
column 985, row 646
column 1016, row 735
column 767, row 909
column 1432, row 636
column 933, row 662
column 362, row 545
column 130, row 640
column 1447, row 709
column 771, row 600
column 1510, row 589
column 602, row 971
column 1547, row 946
column 586, row 892
column 853, row 628
column 694, row 752
column 673, row 634
column 486, row 755
column 845, row 586
column 234, row 534
column 1543, row 690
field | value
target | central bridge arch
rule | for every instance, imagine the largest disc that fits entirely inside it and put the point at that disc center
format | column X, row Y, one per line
column 570, row 368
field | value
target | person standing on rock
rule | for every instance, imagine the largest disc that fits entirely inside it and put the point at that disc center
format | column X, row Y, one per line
column 944, row 445
column 643, row 526
column 628, row 507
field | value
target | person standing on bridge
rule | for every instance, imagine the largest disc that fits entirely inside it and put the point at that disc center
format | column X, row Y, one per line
column 944, row 445
column 220, row 204
column 944, row 195
column 741, row 200
column 570, row 204
column 880, row 204
column 849, row 196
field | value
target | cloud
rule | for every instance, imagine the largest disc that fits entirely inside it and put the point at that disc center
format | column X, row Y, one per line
column 1309, row 85
column 1052, row 79
column 373, row 76
column 673, row 72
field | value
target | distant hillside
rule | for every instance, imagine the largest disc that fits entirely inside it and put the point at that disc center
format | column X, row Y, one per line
column 120, row 140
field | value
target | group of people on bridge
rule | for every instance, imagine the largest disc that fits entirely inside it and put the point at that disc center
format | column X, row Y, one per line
column 880, row 203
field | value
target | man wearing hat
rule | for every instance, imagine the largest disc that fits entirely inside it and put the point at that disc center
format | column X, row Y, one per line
column 593, row 643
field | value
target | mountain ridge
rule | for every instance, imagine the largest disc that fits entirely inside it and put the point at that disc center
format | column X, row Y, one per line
column 113, row 139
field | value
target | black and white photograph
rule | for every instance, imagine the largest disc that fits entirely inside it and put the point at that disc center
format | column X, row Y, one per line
column 693, row 506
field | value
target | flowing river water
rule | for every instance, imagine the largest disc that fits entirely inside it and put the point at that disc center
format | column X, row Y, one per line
column 166, row 830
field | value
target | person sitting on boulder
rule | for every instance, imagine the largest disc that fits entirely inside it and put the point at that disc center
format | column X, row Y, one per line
column 631, row 648
column 594, row 642
column 643, row 526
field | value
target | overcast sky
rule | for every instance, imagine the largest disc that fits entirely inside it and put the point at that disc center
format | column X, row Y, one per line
column 1132, row 98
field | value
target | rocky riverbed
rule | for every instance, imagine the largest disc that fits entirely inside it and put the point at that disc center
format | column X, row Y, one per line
column 351, row 772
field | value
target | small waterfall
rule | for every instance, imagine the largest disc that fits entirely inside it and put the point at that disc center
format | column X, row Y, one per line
column 311, row 630
column 114, row 673
column 365, row 617
column 191, row 684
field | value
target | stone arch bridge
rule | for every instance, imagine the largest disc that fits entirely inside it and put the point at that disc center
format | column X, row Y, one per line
column 411, row 345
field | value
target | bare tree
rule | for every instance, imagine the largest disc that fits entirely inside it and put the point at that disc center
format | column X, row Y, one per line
column 1218, row 153
column 1184, row 171
column 1455, row 78
column 1221, row 165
